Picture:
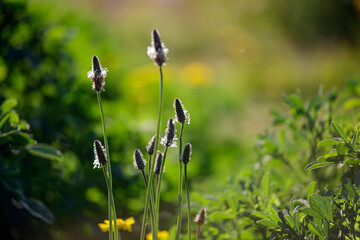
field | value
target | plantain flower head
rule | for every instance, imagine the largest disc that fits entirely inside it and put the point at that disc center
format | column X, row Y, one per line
column 97, row 75
column 157, row 51
column 100, row 155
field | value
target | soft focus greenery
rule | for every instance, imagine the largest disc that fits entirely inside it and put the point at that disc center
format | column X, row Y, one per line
column 229, row 63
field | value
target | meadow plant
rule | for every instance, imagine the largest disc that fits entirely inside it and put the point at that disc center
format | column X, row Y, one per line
column 102, row 156
column 157, row 52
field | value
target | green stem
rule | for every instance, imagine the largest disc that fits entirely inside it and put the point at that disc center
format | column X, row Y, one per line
column 151, row 210
column 154, row 231
column 112, row 207
column 179, row 218
column 112, row 214
column 157, row 207
column 188, row 201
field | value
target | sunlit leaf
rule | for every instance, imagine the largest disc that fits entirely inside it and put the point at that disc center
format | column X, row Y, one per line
column 339, row 130
column 315, row 165
column 222, row 215
column 316, row 230
column 268, row 223
column 322, row 205
column 44, row 151
column 7, row 105
column 311, row 189
column 340, row 149
column 265, row 184
column 328, row 142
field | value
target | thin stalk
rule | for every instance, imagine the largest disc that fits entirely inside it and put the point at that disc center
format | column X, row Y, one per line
column 149, row 164
column 188, row 201
column 151, row 210
column 157, row 207
column 154, row 231
column 198, row 232
column 107, row 185
column 179, row 218
column 112, row 214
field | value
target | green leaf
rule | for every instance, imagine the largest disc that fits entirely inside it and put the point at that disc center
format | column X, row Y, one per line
column 316, row 230
column 290, row 221
column 339, row 130
column 350, row 190
column 259, row 214
column 16, row 138
column 321, row 159
column 275, row 218
column 314, row 103
column 311, row 212
column 267, row 223
column 7, row 105
column 328, row 142
column 352, row 161
column 297, row 221
column 315, row 165
column 322, row 205
column 274, row 209
column 44, row 151
column 222, row 215
column 37, row 209
column 340, row 149
column 311, row 189
column 233, row 202
column 332, row 153
column 265, row 184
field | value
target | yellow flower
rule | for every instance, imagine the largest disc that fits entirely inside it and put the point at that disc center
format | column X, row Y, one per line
column 161, row 235
column 121, row 224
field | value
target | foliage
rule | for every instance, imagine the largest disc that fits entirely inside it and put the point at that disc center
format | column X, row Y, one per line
column 249, row 207
column 18, row 154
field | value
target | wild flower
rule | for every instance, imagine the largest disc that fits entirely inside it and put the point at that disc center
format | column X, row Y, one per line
column 201, row 216
column 100, row 155
column 164, row 235
column 139, row 161
column 157, row 51
column 97, row 75
column 170, row 137
column 186, row 154
column 151, row 145
column 181, row 115
column 121, row 224
column 158, row 161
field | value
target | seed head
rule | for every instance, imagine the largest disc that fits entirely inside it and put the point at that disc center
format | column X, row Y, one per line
column 100, row 155
column 151, row 145
column 169, row 139
column 139, row 161
column 186, row 154
column 158, row 162
column 157, row 51
column 201, row 216
column 97, row 75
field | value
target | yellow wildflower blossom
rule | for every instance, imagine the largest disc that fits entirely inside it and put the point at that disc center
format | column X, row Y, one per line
column 121, row 224
column 161, row 235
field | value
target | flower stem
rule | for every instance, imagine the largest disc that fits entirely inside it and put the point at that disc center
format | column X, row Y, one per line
column 158, row 187
column 179, row 218
column 198, row 232
column 188, row 201
column 154, row 231
column 111, row 203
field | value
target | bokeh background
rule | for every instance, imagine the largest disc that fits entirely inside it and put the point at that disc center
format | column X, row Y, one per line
column 229, row 63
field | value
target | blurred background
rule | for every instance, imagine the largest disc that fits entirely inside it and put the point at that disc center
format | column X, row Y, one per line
column 229, row 63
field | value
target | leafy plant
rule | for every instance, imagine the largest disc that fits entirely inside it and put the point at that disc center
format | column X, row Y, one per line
column 17, row 150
